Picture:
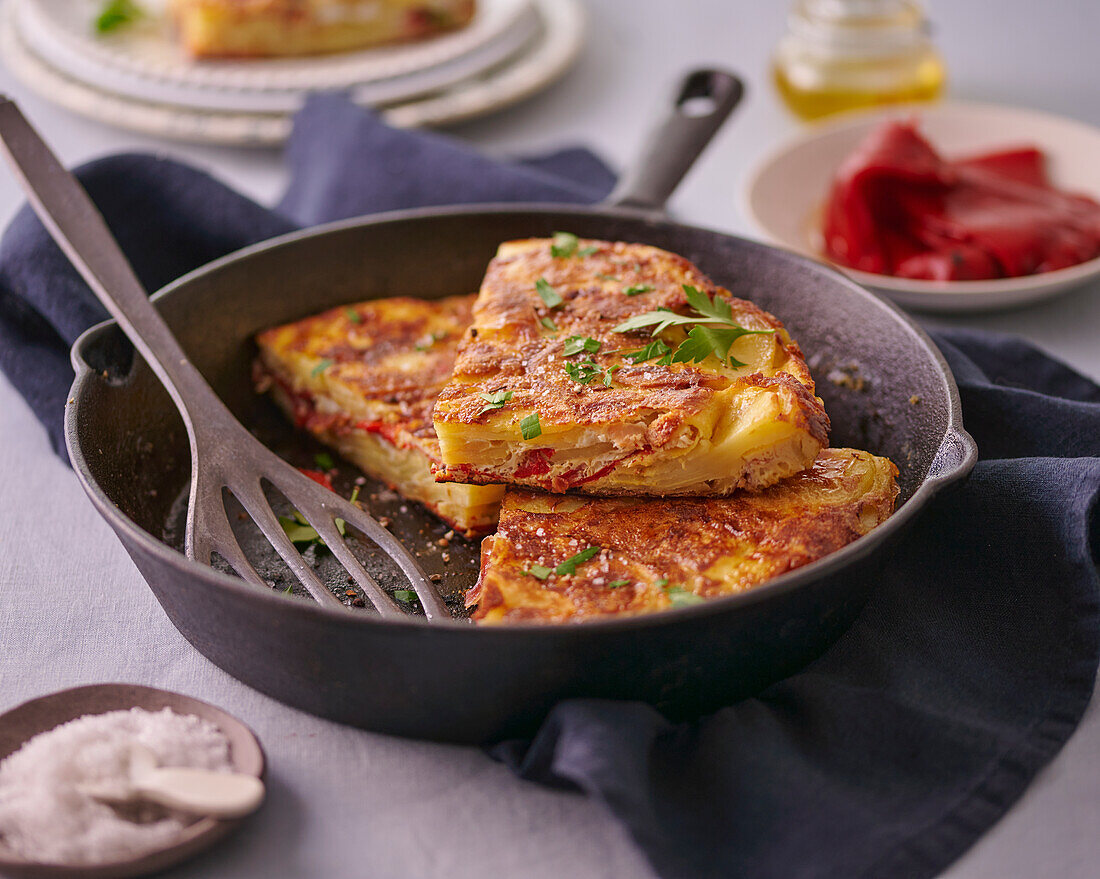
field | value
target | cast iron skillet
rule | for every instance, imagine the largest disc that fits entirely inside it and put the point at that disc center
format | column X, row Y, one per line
column 886, row 387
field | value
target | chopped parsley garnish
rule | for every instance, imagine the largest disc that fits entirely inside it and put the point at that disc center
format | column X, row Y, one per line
column 549, row 324
column 681, row 597
column 607, row 375
column 354, row 495
column 604, row 277
column 654, row 349
column 584, row 372
column 564, row 245
column 661, row 583
column 440, row 19
column 547, row 293
column 588, row 370
column 324, row 460
column 289, row 589
column 635, row 289
column 577, row 344
column 495, row 400
column 433, row 338
column 713, row 329
column 615, row 584
column 320, row 367
column 530, row 427
column 354, row 316
column 298, row 529
column 116, row 13
column 569, row 566
column 406, row 595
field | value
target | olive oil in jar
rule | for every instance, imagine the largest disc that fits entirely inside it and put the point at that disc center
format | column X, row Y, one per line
column 843, row 54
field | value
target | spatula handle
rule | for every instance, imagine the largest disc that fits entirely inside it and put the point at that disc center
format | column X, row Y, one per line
column 80, row 231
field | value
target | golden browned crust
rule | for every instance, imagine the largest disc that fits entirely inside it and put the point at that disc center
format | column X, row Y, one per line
column 703, row 547
column 510, row 349
column 259, row 28
column 383, row 363
column 363, row 378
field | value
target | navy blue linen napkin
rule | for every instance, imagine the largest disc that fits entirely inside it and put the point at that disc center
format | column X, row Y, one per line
column 888, row 757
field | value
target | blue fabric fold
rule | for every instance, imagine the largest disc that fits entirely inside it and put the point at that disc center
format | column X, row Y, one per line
column 889, row 756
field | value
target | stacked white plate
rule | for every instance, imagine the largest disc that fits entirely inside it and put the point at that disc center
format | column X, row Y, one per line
column 138, row 78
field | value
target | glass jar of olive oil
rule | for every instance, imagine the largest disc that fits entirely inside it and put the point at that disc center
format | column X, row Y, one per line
column 842, row 54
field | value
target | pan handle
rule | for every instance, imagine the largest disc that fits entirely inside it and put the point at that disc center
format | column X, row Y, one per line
column 703, row 101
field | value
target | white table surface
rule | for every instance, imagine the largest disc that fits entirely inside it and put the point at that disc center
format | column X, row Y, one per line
column 345, row 803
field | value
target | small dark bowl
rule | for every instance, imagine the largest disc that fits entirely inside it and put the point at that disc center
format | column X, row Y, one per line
column 43, row 714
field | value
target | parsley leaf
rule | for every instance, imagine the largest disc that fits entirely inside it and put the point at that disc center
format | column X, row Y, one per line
column 608, row 373
column 320, row 367
column 530, row 427
column 406, row 595
column 354, row 495
column 662, row 583
column 604, row 277
column 539, row 571
column 654, row 349
column 549, row 324
column 679, row 597
column 584, row 372
column 563, row 245
column 703, row 341
column 635, row 289
column 324, row 460
column 116, row 13
column 298, row 530
column 661, row 319
column 496, row 400
column 569, row 566
column 615, row 584
column 547, row 293
column 577, row 344
column 713, row 329
column 432, row 339
column 354, row 316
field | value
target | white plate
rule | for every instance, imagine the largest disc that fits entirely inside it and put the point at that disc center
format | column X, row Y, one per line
column 551, row 52
column 785, row 194
column 142, row 62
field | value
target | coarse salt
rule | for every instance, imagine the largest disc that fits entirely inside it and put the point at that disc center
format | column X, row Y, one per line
column 45, row 817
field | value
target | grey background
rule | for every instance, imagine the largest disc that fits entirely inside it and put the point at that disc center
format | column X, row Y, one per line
column 345, row 803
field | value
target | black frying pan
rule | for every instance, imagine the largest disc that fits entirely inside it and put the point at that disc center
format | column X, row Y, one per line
column 885, row 386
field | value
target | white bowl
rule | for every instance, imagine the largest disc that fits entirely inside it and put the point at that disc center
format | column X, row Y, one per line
column 785, row 194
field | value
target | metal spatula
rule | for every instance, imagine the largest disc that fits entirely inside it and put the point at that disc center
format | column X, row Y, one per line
column 224, row 455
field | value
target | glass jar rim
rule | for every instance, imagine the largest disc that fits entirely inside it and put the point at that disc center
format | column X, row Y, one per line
column 827, row 30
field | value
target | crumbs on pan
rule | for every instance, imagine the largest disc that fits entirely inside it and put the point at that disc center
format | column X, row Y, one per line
column 847, row 377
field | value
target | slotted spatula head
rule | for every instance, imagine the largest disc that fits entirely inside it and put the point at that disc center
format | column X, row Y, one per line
column 225, row 457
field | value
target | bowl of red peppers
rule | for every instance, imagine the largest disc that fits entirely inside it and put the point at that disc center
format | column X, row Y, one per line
column 950, row 207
